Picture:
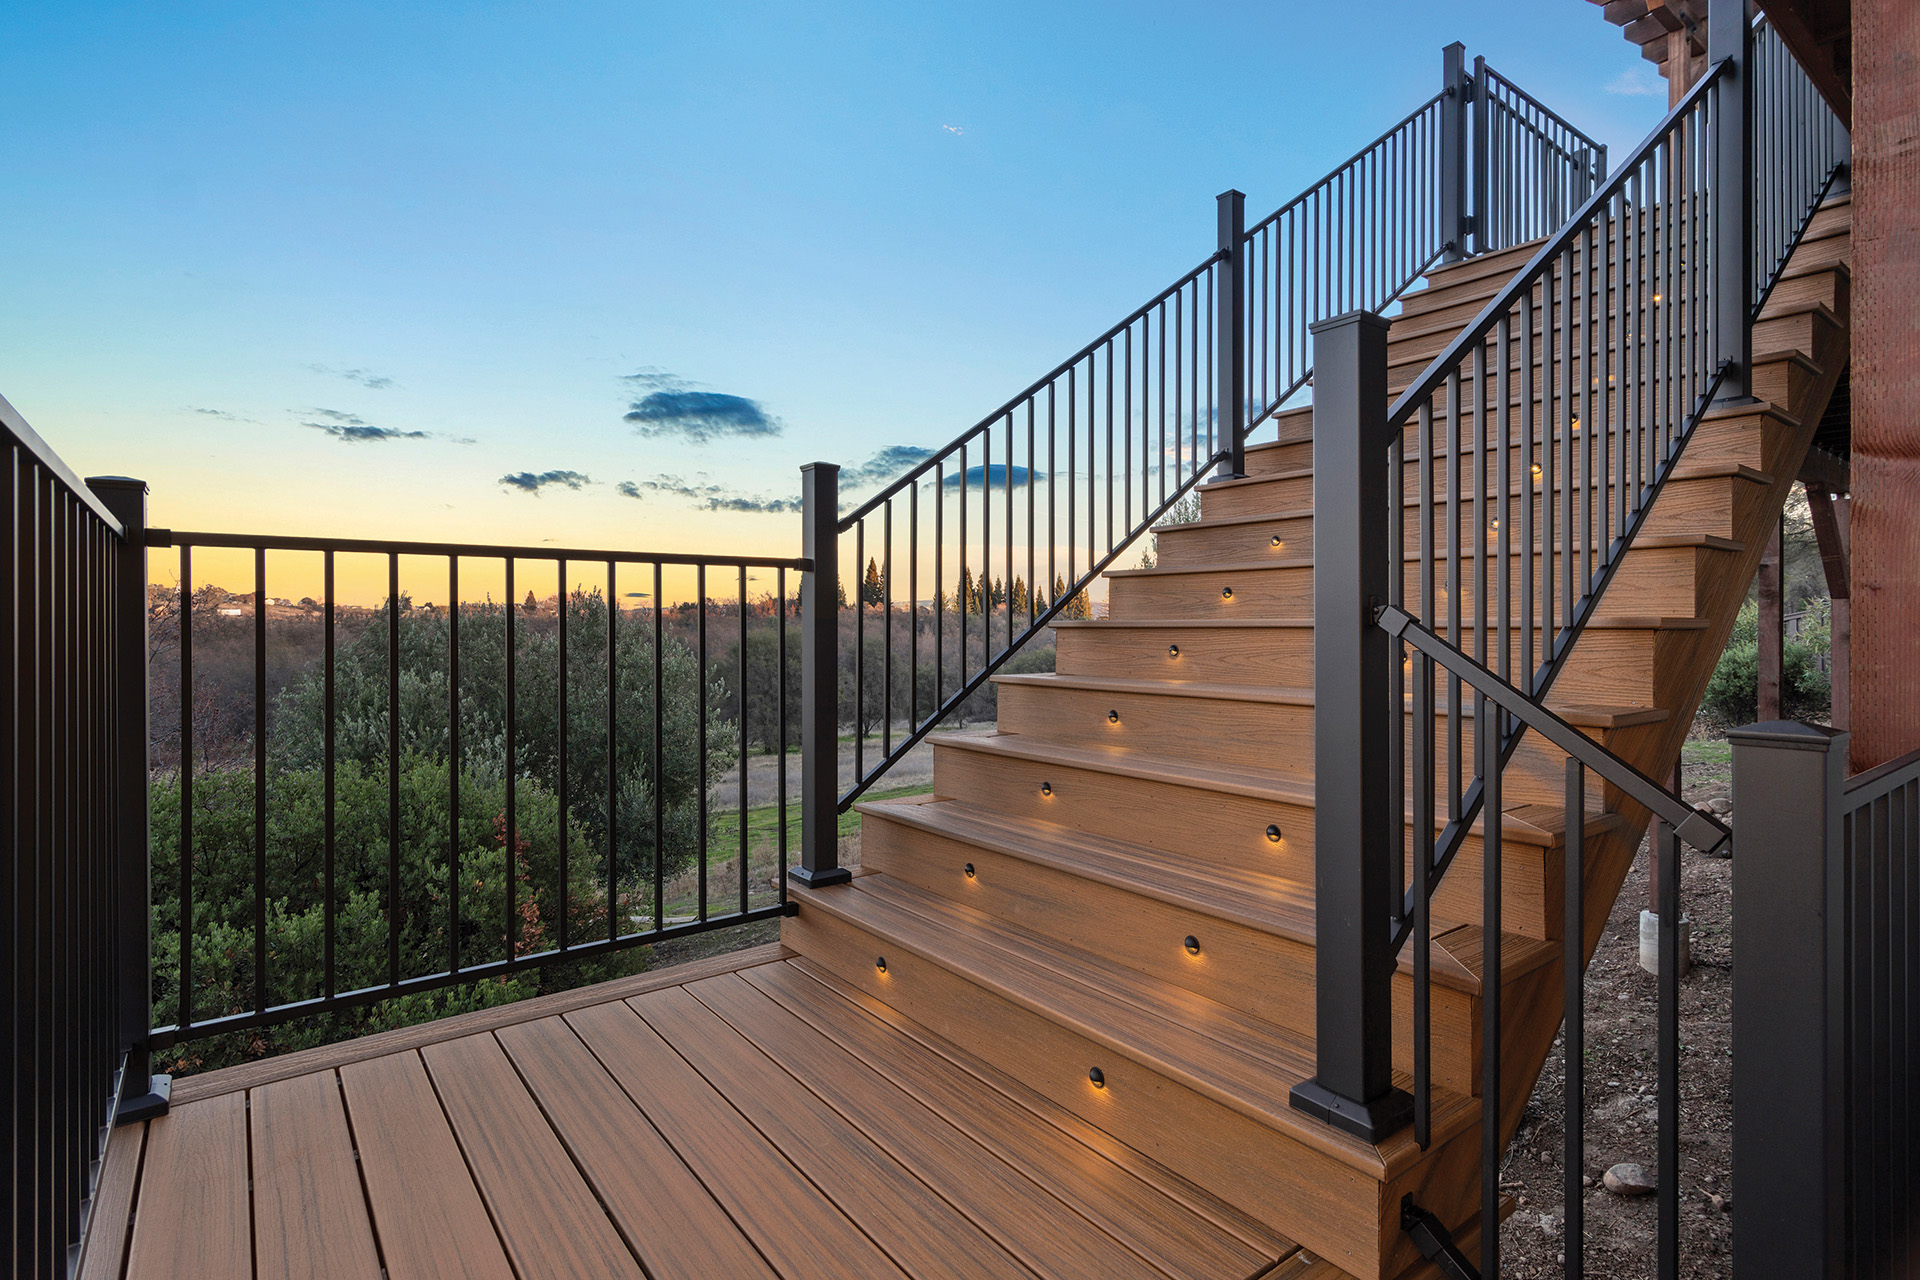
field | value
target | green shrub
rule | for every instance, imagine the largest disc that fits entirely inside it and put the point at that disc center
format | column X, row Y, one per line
column 1733, row 694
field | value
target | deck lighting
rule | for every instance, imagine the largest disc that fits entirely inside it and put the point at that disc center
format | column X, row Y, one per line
column 880, row 963
column 1173, row 651
column 1113, row 717
column 1098, row 1077
column 1273, row 832
column 1274, row 541
column 1046, row 788
column 969, row 871
column 1226, row 593
column 1193, row 945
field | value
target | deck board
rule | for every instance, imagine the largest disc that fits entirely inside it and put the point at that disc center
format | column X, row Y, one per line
column 193, row 1218
column 750, row 1119
column 309, row 1213
column 548, row 1217
column 427, row 1212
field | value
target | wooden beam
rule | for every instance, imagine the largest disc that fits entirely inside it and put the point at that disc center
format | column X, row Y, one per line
column 1772, row 625
column 1830, row 531
column 1827, row 470
column 1817, row 32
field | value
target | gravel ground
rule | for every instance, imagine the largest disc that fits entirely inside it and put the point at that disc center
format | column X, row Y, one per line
column 1621, row 1072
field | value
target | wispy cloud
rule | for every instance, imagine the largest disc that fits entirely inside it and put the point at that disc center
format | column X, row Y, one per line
column 884, row 465
column 354, row 429
column 673, row 407
column 708, row 497
column 223, row 415
column 366, row 378
column 953, row 128
column 1638, row 82
column 994, row 476
column 534, row 481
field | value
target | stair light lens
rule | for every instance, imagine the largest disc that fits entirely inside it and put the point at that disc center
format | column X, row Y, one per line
column 1536, row 470
column 969, row 871
column 1098, row 1077
column 1273, row 832
column 1113, row 717
column 1656, row 297
column 880, row 963
column 1192, row 945
column 1046, row 788
column 1226, row 593
column 1173, row 651
column 1274, row 541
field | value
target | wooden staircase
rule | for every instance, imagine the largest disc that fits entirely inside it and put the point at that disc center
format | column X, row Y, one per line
column 1112, row 898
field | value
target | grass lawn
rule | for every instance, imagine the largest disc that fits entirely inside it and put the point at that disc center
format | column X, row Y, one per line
column 763, row 824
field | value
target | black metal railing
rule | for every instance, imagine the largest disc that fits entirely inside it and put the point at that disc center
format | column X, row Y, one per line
column 73, row 939
column 1535, row 447
column 1826, row 1087
column 1010, row 525
column 358, row 802
column 1533, row 168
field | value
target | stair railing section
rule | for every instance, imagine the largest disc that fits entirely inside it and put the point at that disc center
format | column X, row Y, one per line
column 73, row 913
column 362, row 794
column 1532, row 168
column 1536, row 446
column 985, row 542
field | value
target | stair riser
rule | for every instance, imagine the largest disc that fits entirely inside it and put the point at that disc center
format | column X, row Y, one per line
column 1227, row 655
column 1254, row 1166
column 1664, row 581
column 1204, row 827
column 1291, row 494
column 1238, row 966
column 1615, row 666
column 1280, row 592
column 1688, row 505
column 1799, row 331
column 1754, row 440
column 1257, row 735
column 1201, row 545
column 1782, row 381
column 1827, row 289
column 1290, row 455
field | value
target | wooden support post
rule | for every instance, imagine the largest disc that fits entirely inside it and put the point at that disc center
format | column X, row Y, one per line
column 1830, row 531
column 1772, row 624
column 1885, row 458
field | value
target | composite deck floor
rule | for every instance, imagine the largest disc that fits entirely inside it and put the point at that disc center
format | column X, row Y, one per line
column 748, row 1117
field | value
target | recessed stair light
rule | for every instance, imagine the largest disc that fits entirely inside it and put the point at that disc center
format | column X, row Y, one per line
column 1098, row 1077
column 1113, row 717
column 1046, row 788
column 880, row 963
column 1192, row 945
column 1273, row 832
column 1226, row 593
column 1173, row 651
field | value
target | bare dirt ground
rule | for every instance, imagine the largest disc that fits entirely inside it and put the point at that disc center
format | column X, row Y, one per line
column 1621, row 1121
column 1621, row 1073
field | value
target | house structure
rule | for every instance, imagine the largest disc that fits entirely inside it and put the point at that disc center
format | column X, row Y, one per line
column 1238, row 950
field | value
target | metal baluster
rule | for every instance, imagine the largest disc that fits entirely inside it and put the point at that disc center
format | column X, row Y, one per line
column 512, row 775
column 260, row 997
column 659, row 735
column 453, row 767
column 741, row 708
column 700, row 696
column 564, row 797
column 1574, row 1058
column 613, row 796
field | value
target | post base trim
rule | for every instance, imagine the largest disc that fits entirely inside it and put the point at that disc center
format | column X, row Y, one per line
column 1373, row 1121
column 145, row 1106
column 819, row 879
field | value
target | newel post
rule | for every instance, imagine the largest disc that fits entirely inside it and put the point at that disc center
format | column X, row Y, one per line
column 1789, row 997
column 820, row 679
column 1230, row 326
column 1355, row 826
column 1730, row 40
column 142, row 1093
column 1456, row 92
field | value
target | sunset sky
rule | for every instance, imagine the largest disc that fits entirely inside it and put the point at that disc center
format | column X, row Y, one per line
column 607, row 274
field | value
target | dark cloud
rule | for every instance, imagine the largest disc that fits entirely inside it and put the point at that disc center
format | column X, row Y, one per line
column 354, row 429
column 371, row 381
column 673, row 407
column 884, row 465
column 995, row 476
column 709, row 497
column 534, row 481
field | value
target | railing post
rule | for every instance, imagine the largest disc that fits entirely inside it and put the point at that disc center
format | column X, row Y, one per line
column 142, row 1093
column 1789, row 993
column 1453, row 152
column 1230, row 326
column 1355, row 828
column 820, row 679
column 1479, row 122
column 1730, row 39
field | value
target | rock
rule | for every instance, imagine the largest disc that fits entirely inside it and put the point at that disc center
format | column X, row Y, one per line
column 1586, row 1179
column 1723, row 1203
column 1628, row 1180
column 1721, row 805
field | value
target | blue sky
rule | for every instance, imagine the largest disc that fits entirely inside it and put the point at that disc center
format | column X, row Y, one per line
column 580, row 272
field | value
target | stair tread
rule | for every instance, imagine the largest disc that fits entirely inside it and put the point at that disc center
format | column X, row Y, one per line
column 1603, row 622
column 1709, row 541
column 1527, row 824
column 1270, row 904
column 1239, row 1061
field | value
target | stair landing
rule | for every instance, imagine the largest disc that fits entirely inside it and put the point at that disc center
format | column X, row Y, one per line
column 748, row 1116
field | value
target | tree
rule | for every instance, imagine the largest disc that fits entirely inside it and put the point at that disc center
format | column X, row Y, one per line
column 969, row 601
column 997, row 593
column 1077, row 607
column 1020, row 601
column 872, row 590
